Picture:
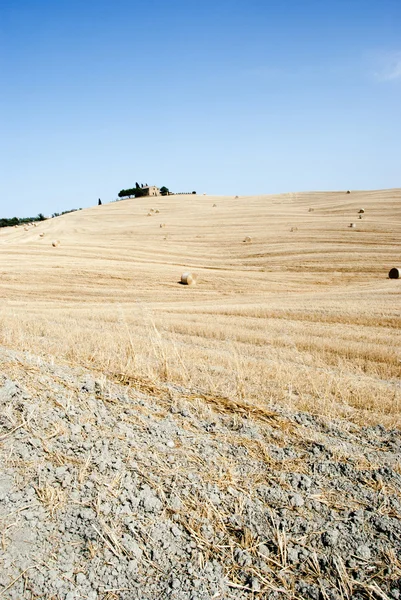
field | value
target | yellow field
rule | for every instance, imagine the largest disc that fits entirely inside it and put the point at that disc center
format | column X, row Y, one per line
column 303, row 315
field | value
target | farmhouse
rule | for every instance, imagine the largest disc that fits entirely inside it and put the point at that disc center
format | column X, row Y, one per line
column 151, row 190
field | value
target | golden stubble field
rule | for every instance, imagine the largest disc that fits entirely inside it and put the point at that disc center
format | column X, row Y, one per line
column 304, row 315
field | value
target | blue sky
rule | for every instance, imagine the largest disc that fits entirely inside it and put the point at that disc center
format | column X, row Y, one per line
column 217, row 96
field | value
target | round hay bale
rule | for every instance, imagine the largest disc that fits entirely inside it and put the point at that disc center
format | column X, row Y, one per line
column 35, row 224
column 157, row 211
column 214, row 205
column 360, row 216
column 149, row 214
column 247, row 239
column 352, row 225
column 162, row 225
column 395, row 273
column 236, row 197
column 55, row 243
column 26, row 228
column 348, row 192
column 151, row 210
column 41, row 234
column 311, row 209
column 361, row 211
column 188, row 278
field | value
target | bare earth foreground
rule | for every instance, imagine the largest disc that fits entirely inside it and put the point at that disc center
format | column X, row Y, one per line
column 236, row 439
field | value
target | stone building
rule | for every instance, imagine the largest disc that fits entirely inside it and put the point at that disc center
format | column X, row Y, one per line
column 151, row 190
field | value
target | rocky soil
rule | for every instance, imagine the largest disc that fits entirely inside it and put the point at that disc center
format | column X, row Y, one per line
column 135, row 491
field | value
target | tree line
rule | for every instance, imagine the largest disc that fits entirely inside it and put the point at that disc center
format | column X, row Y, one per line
column 23, row 220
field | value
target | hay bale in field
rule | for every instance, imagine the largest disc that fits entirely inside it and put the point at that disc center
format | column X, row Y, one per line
column 247, row 239
column 55, row 243
column 35, row 224
column 41, row 234
column 162, row 225
column 395, row 273
column 360, row 217
column 236, row 197
column 352, row 225
column 189, row 278
column 157, row 211
column 348, row 192
column 149, row 214
column 361, row 211
column 151, row 210
column 311, row 209
column 214, row 205
column 26, row 228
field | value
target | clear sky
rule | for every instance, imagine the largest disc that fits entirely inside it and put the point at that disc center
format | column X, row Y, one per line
column 217, row 96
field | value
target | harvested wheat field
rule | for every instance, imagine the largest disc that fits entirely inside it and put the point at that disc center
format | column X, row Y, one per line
column 237, row 438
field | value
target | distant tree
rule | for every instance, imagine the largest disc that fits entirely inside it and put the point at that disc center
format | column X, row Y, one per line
column 136, row 191
column 9, row 222
column 99, row 202
column 41, row 217
column 137, row 184
column 164, row 191
column 194, row 192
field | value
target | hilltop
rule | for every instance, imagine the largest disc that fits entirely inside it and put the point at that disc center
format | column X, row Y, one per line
column 236, row 439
